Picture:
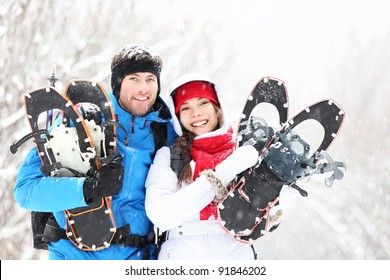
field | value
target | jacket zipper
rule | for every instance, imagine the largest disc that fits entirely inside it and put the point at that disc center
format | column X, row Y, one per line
column 132, row 123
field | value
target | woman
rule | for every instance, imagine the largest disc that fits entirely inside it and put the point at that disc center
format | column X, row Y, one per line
column 185, row 204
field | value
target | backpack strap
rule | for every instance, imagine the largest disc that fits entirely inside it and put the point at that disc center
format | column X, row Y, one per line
column 177, row 159
column 123, row 237
column 38, row 223
column 159, row 131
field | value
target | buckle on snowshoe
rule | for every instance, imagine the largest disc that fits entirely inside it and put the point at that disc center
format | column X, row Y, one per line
column 257, row 133
column 51, row 169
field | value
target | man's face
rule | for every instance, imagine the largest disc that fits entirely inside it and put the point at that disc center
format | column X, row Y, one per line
column 138, row 92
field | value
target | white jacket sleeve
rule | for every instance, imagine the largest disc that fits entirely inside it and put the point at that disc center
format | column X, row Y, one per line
column 166, row 205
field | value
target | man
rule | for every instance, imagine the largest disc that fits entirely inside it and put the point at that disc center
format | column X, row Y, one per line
column 135, row 82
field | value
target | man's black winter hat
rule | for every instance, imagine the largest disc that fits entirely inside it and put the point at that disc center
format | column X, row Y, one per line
column 132, row 59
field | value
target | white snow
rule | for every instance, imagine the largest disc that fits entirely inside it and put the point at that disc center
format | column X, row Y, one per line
column 320, row 49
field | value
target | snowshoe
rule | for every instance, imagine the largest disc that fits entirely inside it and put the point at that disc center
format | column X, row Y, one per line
column 76, row 145
column 288, row 159
column 268, row 98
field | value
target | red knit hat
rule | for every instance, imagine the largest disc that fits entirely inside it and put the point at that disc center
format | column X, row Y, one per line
column 194, row 89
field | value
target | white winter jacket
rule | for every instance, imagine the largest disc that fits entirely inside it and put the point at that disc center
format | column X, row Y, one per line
column 166, row 207
column 177, row 210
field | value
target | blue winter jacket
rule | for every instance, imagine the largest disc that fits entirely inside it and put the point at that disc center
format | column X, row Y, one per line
column 38, row 192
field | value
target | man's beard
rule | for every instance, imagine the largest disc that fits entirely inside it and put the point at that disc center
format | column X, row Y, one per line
column 134, row 112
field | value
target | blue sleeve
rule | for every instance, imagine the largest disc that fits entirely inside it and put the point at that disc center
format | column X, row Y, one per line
column 37, row 192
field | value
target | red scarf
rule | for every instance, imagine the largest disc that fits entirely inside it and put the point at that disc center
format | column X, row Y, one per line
column 207, row 153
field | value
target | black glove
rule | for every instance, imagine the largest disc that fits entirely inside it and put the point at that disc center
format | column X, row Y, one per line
column 107, row 181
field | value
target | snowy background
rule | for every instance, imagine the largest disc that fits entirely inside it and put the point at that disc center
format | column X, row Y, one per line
column 320, row 49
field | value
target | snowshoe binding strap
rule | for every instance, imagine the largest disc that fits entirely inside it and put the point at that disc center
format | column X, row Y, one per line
column 289, row 157
column 14, row 147
column 116, row 124
column 256, row 133
column 52, row 169
column 301, row 191
column 329, row 166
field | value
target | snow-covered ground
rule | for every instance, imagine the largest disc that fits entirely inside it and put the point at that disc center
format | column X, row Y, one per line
column 321, row 49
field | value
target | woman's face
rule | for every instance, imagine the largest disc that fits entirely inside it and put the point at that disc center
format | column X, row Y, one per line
column 198, row 115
